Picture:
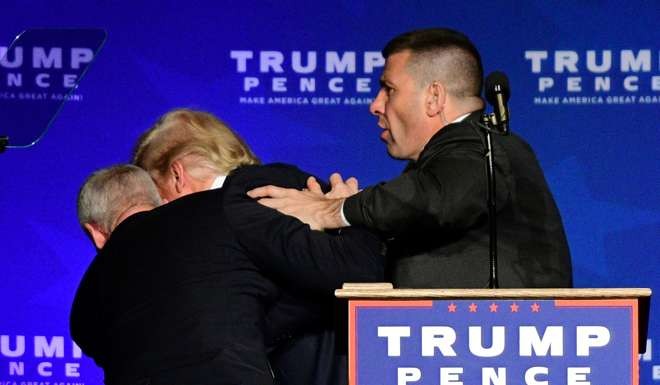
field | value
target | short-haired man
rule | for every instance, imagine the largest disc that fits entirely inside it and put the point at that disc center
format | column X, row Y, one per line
column 435, row 214
column 175, row 297
column 111, row 195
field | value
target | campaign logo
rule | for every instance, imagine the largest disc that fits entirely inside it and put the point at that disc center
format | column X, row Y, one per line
column 592, row 77
column 39, row 72
column 42, row 73
column 494, row 342
column 328, row 78
column 39, row 359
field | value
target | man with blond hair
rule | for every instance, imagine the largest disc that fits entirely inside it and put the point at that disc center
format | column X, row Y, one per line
column 174, row 296
column 189, row 151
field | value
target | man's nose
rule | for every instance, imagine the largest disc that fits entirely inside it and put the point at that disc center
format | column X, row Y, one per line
column 376, row 107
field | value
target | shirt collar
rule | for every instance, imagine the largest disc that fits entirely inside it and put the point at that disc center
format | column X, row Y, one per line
column 460, row 118
column 218, row 182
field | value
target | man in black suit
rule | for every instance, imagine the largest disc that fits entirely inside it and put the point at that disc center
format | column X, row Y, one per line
column 175, row 295
column 434, row 215
column 188, row 151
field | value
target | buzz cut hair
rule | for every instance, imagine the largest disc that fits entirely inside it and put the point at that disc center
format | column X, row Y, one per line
column 441, row 54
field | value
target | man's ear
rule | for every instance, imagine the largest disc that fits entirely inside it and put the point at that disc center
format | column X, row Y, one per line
column 180, row 176
column 436, row 95
column 99, row 237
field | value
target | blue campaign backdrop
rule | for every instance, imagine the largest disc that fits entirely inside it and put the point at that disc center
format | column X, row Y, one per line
column 294, row 78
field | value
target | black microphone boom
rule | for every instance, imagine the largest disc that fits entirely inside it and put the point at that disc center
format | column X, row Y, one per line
column 497, row 94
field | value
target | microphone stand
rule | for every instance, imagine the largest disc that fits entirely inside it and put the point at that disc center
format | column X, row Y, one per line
column 497, row 94
column 489, row 125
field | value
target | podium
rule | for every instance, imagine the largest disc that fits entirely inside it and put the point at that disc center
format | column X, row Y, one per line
column 494, row 336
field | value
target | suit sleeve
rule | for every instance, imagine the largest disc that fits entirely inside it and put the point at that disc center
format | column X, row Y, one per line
column 85, row 321
column 448, row 194
column 289, row 249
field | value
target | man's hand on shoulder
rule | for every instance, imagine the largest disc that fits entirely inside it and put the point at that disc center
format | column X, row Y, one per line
column 320, row 211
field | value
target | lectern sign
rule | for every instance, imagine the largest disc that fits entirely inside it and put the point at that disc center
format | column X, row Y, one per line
column 493, row 342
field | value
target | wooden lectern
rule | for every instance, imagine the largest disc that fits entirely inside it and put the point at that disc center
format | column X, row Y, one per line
column 494, row 336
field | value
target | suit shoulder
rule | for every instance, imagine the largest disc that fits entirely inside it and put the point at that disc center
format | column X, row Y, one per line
column 279, row 174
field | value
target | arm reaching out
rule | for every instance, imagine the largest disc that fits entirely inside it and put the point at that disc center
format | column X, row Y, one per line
column 309, row 206
column 286, row 248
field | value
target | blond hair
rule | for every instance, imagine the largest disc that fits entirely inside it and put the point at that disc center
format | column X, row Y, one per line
column 208, row 143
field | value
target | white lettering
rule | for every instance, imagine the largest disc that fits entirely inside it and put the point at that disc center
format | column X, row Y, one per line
column 241, row 58
column 406, row 375
column 451, row 376
column 14, row 80
column 566, row 60
column 441, row 337
column 42, row 60
column 42, row 348
column 490, row 377
column 577, row 376
column 19, row 346
column 16, row 368
column 18, row 58
column 573, row 84
column 69, row 80
column 630, row 83
column 81, row 56
column 394, row 335
column 334, row 64
column 44, row 369
column 271, row 60
column 42, row 80
column 602, row 83
column 335, row 85
column 307, row 84
column 250, row 83
column 71, row 369
column 588, row 337
column 655, row 83
column 363, row 85
column 296, row 62
column 641, row 62
column 531, row 373
column 476, row 346
column 604, row 66
column 552, row 340
column 545, row 83
column 648, row 351
column 279, row 84
column 372, row 59
column 537, row 58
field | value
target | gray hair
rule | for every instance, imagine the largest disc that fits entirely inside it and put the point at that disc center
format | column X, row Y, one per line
column 109, row 192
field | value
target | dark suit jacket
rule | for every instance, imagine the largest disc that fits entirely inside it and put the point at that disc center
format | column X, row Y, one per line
column 436, row 218
column 177, row 295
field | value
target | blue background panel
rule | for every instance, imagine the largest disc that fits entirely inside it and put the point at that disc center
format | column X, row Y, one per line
column 601, row 160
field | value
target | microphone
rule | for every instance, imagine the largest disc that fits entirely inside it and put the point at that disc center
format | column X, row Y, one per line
column 497, row 94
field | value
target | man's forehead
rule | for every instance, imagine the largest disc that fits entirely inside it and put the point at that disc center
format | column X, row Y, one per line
column 395, row 65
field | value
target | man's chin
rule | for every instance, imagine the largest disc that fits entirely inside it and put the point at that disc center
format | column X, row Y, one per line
column 391, row 151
